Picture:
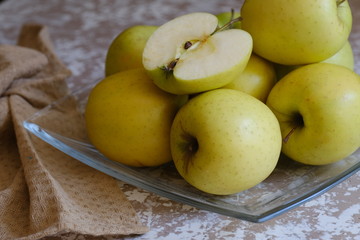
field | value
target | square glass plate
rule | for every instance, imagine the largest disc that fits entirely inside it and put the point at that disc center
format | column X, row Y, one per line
column 288, row 186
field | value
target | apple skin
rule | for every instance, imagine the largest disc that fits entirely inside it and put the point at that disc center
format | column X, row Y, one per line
column 319, row 103
column 344, row 57
column 299, row 31
column 125, row 51
column 257, row 79
column 128, row 119
column 225, row 141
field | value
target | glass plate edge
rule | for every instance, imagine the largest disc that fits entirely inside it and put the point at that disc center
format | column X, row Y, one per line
column 49, row 138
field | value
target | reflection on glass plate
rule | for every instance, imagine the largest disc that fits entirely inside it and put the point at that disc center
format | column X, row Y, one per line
column 288, row 186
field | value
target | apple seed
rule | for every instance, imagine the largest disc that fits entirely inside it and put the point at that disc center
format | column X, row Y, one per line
column 187, row 45
column 172, row 64
column 170, row 67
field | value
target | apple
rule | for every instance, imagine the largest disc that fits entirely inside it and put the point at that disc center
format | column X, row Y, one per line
column 189, row 54
column 259, row 75
column 299, row 31
column 224, row 141
column 257, row 79
column 318, row 108
column 344, row 57
column 225, row 17
column 128, row 119
column 125, row 51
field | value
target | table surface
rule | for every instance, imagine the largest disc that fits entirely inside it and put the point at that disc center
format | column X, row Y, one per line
column 82, row 31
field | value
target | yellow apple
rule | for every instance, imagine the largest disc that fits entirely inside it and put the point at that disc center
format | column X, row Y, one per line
column 299, row 31
column 259, row 75
column 224, row 141
column 189, row 54
column 257, row 79
column 344, row 57
column 318, row 108
column 128, row 119
column 125, row 51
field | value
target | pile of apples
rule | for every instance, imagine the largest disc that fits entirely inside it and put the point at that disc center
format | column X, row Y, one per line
column 223, row 95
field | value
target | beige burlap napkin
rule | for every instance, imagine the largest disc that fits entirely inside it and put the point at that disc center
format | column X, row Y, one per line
column 42, row 191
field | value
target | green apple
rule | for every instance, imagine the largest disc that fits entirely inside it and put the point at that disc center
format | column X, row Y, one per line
column 125, row 51
column 224, row 141
column 225, row 17
column 189, row 54
column 318, row 107
column 257, row 79
column 299, row 31
column 128, row 119
column 344, row 57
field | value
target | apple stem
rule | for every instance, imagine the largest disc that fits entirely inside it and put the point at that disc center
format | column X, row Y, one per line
column 339, row 2
column 286, row 139
column 189, row 146
column 228, row 24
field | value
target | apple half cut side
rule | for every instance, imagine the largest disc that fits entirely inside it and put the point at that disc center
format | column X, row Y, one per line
column 189, row 55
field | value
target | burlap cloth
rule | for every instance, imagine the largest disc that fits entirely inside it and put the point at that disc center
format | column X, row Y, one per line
column 42, row 191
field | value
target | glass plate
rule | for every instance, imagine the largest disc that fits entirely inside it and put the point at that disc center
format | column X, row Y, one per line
column 290, row 184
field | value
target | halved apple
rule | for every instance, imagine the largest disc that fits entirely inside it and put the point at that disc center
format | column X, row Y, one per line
column 190, row 54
